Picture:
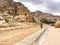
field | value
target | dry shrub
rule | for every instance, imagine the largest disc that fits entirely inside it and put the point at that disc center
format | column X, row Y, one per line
column 57, row 24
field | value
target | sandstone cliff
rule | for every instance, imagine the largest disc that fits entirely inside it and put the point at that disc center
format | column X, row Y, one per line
column 9, row 8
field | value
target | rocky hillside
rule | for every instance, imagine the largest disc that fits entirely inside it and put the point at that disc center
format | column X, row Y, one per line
column 7, row 6
column 40, row 15
column 14, row 11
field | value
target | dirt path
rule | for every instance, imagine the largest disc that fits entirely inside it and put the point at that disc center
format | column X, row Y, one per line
column 10, row 37
column 53, row 37
column 42, row 37
column 50, row 37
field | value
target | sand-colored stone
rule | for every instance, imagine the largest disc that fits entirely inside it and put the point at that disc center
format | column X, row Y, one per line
column 20, row 18
column 22, row 10
column 57, row 24
column 3, row 22
column 15, row 9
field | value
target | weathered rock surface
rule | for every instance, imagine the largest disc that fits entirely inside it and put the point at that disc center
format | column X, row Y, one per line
column 57, row 24
column 13, row 8
column 48, row 16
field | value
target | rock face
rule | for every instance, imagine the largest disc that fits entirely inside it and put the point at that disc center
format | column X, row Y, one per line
column 22, row 10
column 3, row 22
column 57, row 24
column 48, row 16
column 15, row 9
column 6, row 5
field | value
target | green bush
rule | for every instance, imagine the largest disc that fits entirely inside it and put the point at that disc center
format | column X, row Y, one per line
column 44, row 20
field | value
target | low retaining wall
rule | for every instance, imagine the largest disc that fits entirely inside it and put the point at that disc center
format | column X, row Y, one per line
column 30, row 39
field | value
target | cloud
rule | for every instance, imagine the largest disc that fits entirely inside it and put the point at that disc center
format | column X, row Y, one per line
column 30, row 6
column 49, row 6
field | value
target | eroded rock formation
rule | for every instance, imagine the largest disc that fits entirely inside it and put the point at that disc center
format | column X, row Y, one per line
column 15, row 9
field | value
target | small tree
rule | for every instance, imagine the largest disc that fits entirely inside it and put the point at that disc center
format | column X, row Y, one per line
column 44, row 20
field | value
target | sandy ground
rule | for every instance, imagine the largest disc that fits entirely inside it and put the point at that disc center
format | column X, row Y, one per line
column 10, row 37
column 53, row 36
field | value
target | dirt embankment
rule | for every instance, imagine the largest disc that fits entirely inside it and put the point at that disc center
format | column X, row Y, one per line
column 10, row 37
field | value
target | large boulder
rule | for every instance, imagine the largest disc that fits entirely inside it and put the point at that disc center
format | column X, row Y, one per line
column 3, row 23
column 21, row 18
column 57, row 24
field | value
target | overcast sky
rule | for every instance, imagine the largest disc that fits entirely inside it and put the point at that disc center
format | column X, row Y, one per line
column 49, row 6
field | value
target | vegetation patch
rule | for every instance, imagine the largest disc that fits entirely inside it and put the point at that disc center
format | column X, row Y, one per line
column 44, row 20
